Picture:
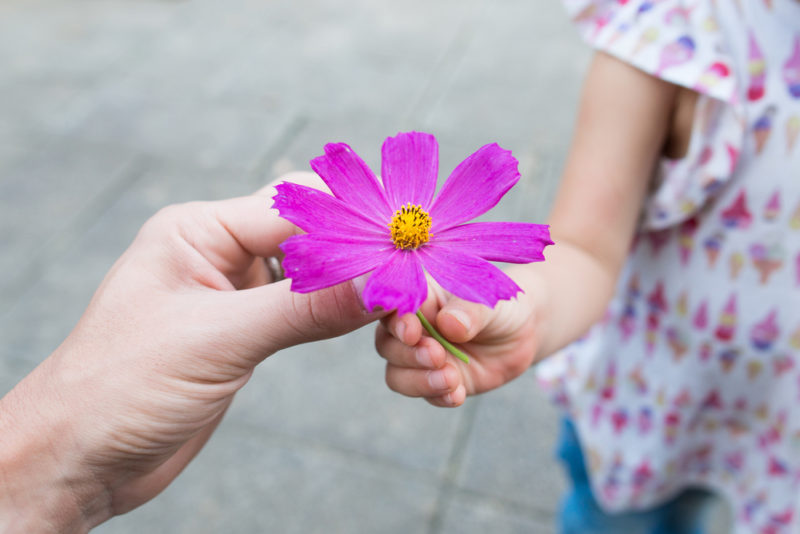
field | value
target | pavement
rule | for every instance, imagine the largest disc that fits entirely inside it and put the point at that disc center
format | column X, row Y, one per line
column 110, row 110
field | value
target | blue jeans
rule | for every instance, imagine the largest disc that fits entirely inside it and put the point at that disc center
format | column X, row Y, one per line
column 580, row 513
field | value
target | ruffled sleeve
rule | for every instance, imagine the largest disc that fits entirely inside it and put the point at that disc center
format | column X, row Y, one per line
column 671, row 39
column 682, row 186
column 683, row 43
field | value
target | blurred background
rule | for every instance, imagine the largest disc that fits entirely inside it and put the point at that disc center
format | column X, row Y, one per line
column 112, row 109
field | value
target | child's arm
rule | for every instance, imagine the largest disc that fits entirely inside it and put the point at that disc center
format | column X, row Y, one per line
column 624, row 118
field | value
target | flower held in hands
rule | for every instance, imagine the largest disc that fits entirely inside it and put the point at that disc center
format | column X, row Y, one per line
column 398, row 230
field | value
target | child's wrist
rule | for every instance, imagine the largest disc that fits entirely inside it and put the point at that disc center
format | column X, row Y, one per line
column 535, row 305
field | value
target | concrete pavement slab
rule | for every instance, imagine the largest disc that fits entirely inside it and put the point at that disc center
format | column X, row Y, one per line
column 48, row 196
column 247, row 480
column 510, row 451
column 467, row 514
column 333, row 392
column 114, row 110
column 517, row 78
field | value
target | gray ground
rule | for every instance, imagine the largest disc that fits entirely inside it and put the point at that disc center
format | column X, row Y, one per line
column 110, row 110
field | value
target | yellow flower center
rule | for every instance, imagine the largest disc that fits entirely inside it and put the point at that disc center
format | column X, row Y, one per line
column 410, row 227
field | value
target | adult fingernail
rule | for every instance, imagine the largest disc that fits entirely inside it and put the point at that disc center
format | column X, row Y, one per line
column 437, row 380
column 424, row 357
column 358, row 284
column 462, row 318
column 400, row 330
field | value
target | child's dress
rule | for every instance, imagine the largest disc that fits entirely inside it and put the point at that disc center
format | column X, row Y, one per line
column 693, row 377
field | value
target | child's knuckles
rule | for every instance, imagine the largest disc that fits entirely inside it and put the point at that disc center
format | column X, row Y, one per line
column 395, row 381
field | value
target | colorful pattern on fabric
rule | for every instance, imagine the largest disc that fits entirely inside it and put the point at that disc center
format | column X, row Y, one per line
column 693, row 377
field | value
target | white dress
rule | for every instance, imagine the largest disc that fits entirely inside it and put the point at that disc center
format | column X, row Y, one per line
column 693, row 377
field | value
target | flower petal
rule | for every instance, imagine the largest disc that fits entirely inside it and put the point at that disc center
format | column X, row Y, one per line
column 397, row 284
column 497, row 241
column 409, row 167
column 352, row 181
column 466, row 276
column 315, row 261
column 316, row 211
column 474, row 187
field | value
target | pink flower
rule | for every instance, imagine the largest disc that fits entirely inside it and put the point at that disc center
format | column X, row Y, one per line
column 398, row 230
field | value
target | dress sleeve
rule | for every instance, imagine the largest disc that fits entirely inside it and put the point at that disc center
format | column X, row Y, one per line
column 682, row 43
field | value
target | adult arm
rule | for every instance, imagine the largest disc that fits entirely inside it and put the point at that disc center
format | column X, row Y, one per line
column 175, row 329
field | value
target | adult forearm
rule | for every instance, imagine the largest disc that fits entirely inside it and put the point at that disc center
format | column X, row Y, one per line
column 43, row 484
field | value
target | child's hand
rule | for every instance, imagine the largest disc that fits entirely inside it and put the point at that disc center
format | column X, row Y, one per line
column 593, row 220
column 500, row 342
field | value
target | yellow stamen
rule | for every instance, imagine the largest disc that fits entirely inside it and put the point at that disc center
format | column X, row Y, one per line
column 410, row 227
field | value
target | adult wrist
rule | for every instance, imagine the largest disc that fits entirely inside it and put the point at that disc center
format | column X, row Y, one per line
column 44, row 485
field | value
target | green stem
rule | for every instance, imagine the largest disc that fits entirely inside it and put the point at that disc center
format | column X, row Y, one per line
column 438, row 337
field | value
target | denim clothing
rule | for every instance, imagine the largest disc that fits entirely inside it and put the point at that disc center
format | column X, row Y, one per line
column 580, row 513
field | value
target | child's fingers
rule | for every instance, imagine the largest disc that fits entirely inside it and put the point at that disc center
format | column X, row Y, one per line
column 422, row 382
column 460, row 321
column 406, row 328
column 427, row 354
column 450, row 400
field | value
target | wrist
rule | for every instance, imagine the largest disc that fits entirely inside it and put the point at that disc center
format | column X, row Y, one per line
column 44, row 484
column 537, row 295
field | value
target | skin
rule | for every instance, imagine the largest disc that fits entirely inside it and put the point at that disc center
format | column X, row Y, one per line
column 178, row 324
column 593, row 221
column 175, row 329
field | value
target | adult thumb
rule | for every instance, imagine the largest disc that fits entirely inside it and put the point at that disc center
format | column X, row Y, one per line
column 277, row 317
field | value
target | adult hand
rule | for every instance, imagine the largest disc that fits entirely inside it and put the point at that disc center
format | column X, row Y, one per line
column 175, row 329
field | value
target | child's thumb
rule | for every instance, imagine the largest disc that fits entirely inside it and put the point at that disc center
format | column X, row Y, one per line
column 460, row 320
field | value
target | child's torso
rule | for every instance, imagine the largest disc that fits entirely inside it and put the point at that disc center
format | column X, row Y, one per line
column 694, row 374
